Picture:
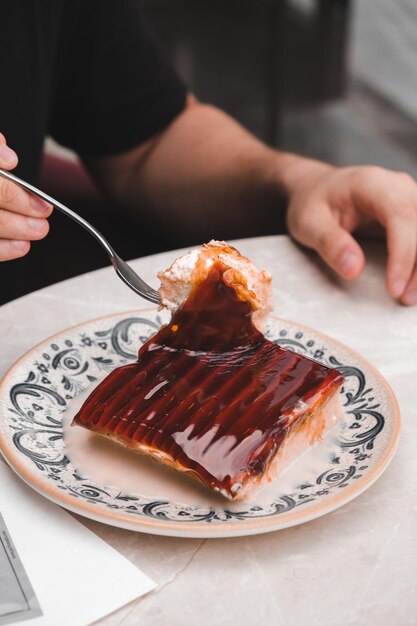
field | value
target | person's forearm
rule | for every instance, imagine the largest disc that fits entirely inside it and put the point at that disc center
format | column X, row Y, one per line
column 205, row 177
column 206, row 169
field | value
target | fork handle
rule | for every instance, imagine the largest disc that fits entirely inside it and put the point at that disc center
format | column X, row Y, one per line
column 61, row 207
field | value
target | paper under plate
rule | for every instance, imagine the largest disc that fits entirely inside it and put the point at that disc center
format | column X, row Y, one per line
column 95, row 478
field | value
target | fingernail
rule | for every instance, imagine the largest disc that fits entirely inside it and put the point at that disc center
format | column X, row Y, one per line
column 348, row 263
column 39, row 205
column 398, row 286
column 36, row 225
column 410, row 298
column 18, row 245
column 7, row 155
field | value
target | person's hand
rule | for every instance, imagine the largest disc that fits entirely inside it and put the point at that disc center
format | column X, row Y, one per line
column 327, row 204
column 22, row 215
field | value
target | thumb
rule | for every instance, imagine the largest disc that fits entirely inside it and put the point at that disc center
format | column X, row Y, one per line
column 8, row 157
column 321, row 231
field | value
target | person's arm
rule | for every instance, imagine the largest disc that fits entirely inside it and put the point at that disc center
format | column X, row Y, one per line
column 205, row 165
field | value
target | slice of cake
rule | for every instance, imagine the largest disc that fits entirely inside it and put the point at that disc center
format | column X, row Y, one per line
column 209, row 395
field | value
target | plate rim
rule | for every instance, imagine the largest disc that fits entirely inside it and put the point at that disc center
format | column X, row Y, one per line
column 200, row 529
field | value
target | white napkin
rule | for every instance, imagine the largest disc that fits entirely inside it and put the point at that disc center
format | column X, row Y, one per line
column 76, row 576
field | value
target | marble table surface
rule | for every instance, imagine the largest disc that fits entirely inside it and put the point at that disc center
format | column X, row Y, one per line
column 357, row 565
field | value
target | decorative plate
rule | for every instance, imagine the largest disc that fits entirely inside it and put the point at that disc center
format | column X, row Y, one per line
column 97, row 479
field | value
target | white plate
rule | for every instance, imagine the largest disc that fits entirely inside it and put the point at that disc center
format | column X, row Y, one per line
column 72, row 467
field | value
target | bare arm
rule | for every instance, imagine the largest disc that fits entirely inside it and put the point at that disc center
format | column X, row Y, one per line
column 205, row 166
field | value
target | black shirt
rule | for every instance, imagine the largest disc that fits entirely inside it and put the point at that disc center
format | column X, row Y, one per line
column 87, row 72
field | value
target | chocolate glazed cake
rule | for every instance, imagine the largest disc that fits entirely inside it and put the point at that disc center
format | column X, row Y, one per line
column 211, row 396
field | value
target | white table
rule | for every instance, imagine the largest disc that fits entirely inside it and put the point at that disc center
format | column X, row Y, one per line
column 357, row 565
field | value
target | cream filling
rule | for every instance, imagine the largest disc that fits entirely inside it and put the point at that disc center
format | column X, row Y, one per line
column 312, row 431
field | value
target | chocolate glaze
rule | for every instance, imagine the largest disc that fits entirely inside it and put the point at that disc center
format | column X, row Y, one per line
column 210, row 390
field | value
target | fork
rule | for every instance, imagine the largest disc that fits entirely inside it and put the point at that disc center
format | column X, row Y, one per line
column 123, row 270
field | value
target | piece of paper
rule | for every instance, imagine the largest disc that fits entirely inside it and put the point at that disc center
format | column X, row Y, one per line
column 18, row 600
column 76, row 577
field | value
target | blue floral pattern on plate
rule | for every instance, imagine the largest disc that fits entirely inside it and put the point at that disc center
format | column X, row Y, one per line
column 35, row 395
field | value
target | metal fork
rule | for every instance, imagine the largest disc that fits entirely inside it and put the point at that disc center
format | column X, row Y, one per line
column 123, row 270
